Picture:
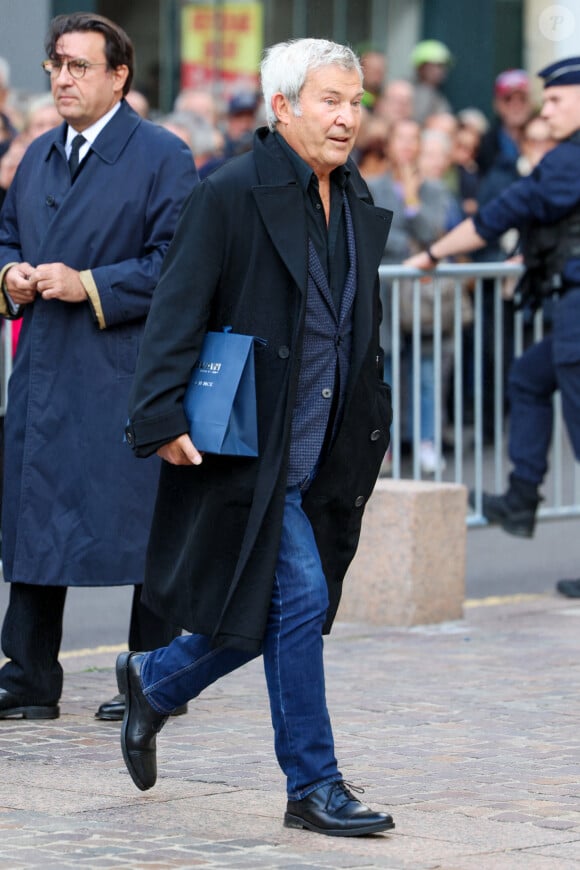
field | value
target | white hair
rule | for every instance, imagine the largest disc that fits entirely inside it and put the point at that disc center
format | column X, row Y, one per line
column 199, row 131
column 286, row 65
column 472, row 117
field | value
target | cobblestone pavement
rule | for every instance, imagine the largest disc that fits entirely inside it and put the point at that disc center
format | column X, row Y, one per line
column 468, row 732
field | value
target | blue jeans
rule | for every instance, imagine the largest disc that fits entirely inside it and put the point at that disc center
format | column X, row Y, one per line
column 426, row 393
column 293, row 660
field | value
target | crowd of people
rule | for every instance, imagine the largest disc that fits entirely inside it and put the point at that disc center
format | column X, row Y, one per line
column 433, row 167
column 431, row 163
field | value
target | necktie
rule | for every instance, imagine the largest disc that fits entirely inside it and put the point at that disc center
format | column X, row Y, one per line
column 73, row 160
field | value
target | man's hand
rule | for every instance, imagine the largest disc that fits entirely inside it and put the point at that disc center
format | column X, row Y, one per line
column 57, row 281
column 420, row 261
column 180, row 451
column 18, row 284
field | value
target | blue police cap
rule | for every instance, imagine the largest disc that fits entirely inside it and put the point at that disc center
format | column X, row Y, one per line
column 562, row 72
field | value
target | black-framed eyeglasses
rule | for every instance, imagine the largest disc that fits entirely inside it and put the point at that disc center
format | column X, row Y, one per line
column 76, row 67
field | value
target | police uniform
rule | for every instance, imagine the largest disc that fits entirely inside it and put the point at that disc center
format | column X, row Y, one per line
column 548, row 195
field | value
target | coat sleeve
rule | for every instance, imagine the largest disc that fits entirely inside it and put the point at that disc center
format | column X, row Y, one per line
column 10, row 253
column 122, row 291
column 549, row 193
column 177, row 322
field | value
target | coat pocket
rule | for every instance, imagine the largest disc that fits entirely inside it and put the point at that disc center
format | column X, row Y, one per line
column 127, row 350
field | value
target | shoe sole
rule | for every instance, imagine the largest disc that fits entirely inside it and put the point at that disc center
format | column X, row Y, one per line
column 568, row 592
column 114, row 717
column 519, row 530
column 291, row 821
column 109, row 717
column 30, row 713
column 123, row 684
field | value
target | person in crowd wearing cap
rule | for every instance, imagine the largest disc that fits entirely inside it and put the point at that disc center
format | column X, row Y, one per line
column 240, row 123
column 431, row 60
column 546, row 199
column 500, row 146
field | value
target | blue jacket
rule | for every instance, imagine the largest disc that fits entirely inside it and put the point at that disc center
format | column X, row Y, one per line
column 550, row 192
column 77, row 504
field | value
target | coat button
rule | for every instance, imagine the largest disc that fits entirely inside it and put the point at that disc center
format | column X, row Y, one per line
column 359, row 501
column 375, row 434
column 129, row 436
column 327, row 392
column 50, row 200
column 284, row 352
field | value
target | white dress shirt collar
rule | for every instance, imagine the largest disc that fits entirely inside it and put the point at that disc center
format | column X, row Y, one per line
column 90, row 133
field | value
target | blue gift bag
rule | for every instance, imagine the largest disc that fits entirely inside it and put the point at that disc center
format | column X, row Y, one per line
column 220, row 400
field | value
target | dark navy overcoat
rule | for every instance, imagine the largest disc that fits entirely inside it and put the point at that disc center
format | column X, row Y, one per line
column 239, row 259
column 77, row 504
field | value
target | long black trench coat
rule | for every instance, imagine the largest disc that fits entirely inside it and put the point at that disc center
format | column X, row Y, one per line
column 239, row 259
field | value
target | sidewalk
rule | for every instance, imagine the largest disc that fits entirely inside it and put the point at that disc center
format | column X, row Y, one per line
column 469, row 732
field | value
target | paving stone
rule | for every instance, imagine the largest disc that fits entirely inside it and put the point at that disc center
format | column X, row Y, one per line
column 467, row 732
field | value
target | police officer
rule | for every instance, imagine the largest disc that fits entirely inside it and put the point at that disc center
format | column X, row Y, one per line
column 550, row 195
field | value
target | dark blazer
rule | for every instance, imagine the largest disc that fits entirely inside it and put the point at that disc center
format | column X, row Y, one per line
column 239, row 259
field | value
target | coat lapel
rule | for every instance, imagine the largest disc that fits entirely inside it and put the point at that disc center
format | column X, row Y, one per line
column 113, row 138
column 280, row 203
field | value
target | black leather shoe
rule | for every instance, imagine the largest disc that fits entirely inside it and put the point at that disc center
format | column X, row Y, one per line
column 11, row 706
column 141, row 723
column 333, row 810
column 519, row 521
column 569, row 588
column 114, row 710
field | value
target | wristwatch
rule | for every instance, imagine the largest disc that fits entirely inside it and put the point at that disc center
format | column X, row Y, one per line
column 432, row 256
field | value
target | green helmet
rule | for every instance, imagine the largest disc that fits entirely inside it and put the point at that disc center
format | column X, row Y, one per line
column 430, row 51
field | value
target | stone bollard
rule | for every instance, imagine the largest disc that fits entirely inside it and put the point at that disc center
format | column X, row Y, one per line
column 410, row 565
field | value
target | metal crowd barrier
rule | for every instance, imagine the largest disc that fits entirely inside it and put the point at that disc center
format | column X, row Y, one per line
column 5, row 363
column 469, row 460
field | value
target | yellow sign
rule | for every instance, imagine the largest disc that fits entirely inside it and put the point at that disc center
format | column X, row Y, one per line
column 220, row 43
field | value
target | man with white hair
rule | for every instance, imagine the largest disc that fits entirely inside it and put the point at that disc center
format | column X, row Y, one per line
column 284, row 243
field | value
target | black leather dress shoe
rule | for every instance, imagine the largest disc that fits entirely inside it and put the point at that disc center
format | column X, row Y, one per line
column 114, row 710
column 11, row 706
column 569, row 588
column 141, row 723
column 333, row 810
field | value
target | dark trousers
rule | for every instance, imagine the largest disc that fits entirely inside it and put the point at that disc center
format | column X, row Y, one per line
column 32, row 634
column 534, row 379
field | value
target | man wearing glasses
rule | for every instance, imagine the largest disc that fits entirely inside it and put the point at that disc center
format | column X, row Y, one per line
column 84, row 229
